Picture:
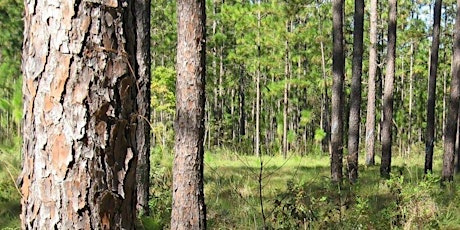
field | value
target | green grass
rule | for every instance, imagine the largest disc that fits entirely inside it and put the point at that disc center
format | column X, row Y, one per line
column 296, row 194
column 9, row 194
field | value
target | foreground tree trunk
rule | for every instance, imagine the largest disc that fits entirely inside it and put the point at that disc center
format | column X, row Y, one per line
column 188, row 207
column 387, row 123
column 337, row 92
column 85, row 107
column 142, row 12
column 451, row 122
column 431, row 104
column 370, row 117
column 355, row 96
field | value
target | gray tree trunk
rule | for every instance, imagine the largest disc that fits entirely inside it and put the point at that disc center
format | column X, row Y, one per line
column 355, row 96
column 370, row 117
column 451, row 122
column 431, row 104
column 337, row 92
column 387, row 122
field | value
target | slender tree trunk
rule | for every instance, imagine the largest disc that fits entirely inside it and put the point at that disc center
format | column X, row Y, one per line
column 385, row 167
column 411, row 93
column 188, row 207
column 257, row 133
column 370, row 118
column 337, row 92
column 444, row 92
column 242, row 120
column 326, row 143
column 457, row 146
column 355, row 96
column 431, row 104
column 286, row 101
column 86, row 106
column 451, row 123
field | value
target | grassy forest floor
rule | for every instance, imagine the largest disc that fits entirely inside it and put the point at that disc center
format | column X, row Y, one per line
column 296, row 194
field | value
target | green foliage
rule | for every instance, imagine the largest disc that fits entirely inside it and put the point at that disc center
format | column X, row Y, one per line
column 10, row 208
column 160, row 191
column 163, row 89
column 163, row 104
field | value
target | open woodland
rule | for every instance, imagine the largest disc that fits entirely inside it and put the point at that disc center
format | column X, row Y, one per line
column 267, row 114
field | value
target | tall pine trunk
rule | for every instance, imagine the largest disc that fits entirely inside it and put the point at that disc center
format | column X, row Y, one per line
column 188, row 207
column 355, row 96
column 370, row 117
column 387, row 123
column 451, row 122
column 86, row 106
column 337, row 92
column 431, row 104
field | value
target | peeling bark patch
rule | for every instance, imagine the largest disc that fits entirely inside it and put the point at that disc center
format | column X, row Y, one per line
column 62, row 74
column 61, row 154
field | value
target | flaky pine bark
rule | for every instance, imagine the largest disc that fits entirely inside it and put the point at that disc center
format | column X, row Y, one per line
column 370, row 116
column 431, row 104
column 142, row 12
column 452, row 115
column 387, row 123
column 337, row 92
column 188, row 207
column 355, row 96
column 83, row 114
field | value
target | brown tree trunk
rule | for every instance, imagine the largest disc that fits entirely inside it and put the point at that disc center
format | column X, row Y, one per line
column 431, row 104
column 337, row 92
column 85, row 110
column 370, row 116
column 355, row 96
column 385, row 167
column 188, row 207
column 451, row 122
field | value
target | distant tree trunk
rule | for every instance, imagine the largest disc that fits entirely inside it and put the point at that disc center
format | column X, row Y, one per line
column 451, row 122
column 325, row 114
column 355, row 96
column 257, row 132
column 286, row 100
column 242, row 120
column 457, row 146
column 411, row 93
column 387, row 123
column 326, row 142
column 337, row 92
column 431, row 104
column 188, row 207
column 370, row 118
column 86, row 106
